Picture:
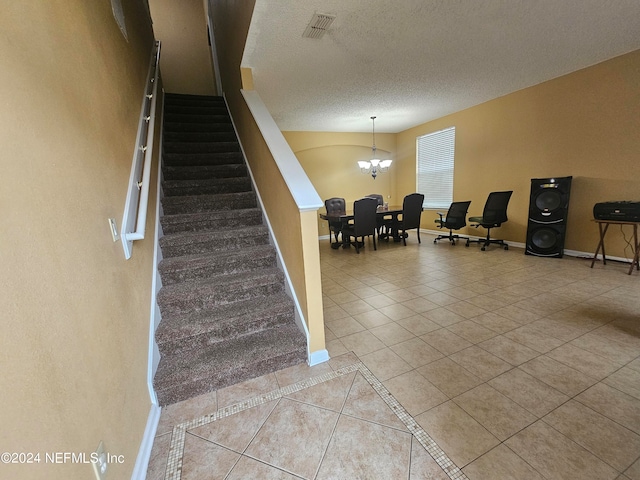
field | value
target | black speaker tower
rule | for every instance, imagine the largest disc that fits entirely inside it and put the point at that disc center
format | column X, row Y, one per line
column 548, row 209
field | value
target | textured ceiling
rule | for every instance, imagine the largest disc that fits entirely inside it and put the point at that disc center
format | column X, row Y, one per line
column 411, row 61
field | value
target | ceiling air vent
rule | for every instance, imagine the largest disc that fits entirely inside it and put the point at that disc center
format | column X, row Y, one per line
column 318, row 25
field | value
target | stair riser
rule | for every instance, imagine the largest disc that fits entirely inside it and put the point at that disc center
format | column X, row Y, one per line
column 217, row 380
column 226, row 332
column 212, row 172
column 206, row 298
column 190, row 225
column 202, row 159
column 180, row 205
column 216, row 269
column 214, row 245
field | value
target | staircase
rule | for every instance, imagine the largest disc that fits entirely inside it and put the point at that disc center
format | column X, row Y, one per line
column 226, row 316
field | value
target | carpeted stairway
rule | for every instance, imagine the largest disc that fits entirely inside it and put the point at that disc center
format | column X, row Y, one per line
column 225, row 315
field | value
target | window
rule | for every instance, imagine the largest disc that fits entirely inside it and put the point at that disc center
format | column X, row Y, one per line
column 435, row 155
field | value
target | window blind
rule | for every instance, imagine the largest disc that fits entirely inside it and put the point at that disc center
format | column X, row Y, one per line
column 435, row 152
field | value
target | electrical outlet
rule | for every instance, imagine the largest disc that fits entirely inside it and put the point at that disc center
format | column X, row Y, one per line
column 99, row 462
column 114, row 229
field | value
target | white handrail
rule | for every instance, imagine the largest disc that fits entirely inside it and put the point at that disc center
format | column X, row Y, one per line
column 135, row 208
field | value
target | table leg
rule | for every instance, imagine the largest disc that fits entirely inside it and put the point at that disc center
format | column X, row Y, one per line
column 636, row 259
column 600, row 245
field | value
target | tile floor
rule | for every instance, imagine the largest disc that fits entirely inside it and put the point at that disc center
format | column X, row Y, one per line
column 447, row 363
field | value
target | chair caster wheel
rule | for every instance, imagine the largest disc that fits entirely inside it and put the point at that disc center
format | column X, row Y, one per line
column 506, row 247
column 466, row 245
column 483, row 249
column 435, row 241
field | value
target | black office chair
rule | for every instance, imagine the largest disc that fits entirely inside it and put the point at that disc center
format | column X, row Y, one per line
column 455, row 219
column 383, row 225
column 335, row 206
column 411, row 212
column 364, row 223
column 494, row 215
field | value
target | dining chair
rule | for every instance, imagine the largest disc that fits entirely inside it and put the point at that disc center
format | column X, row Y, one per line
column 411, row 212
column 454, row 219
column 335, row 206
column 383, row 224
column 364, row 223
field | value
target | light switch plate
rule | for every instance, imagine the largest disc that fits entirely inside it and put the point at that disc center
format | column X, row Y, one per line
column 114, row 229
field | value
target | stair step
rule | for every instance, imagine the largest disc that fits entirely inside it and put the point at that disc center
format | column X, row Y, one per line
column 207, row 186
column 209, row 241
column 204, row 203
column 191, row 99
column 213, row 220
column 202, row 159
column 214, row 108
column 204, row 171
column 197, row 119
column 226, row 363
column 202, row 147
column 207, row 266
column 175, row 127
column 191, row 137
column 179, row 333
column 220, row 290
column 225, row 313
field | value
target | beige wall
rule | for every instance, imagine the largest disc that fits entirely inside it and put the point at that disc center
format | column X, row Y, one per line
column 330, row 161
column 294, row 233
column 75, row 314
column 186, row 61
column 584, row 124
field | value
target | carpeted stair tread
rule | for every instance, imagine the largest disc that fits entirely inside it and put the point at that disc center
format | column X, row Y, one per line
column 188, row 268
column 208, row 137
column 198, row 118
column 205, row 172
column 203, row 203
column 219, row 290
column 225, row 314
column 216, row 108
column 206, row 186
column 226, row 363
column 196, row 329
column 204, row 241
column 187, row 98
column 202, row 159
column 210, row 220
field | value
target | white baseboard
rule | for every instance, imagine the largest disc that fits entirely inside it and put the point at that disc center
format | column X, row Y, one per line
column 144, row 453
column 570, row 253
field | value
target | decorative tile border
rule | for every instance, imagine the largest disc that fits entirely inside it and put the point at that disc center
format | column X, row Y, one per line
column 176, row 450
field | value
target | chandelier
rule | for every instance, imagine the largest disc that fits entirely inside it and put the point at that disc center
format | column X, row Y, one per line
column 376, row 165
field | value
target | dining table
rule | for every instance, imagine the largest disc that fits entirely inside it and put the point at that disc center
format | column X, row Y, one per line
column 391, row 212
